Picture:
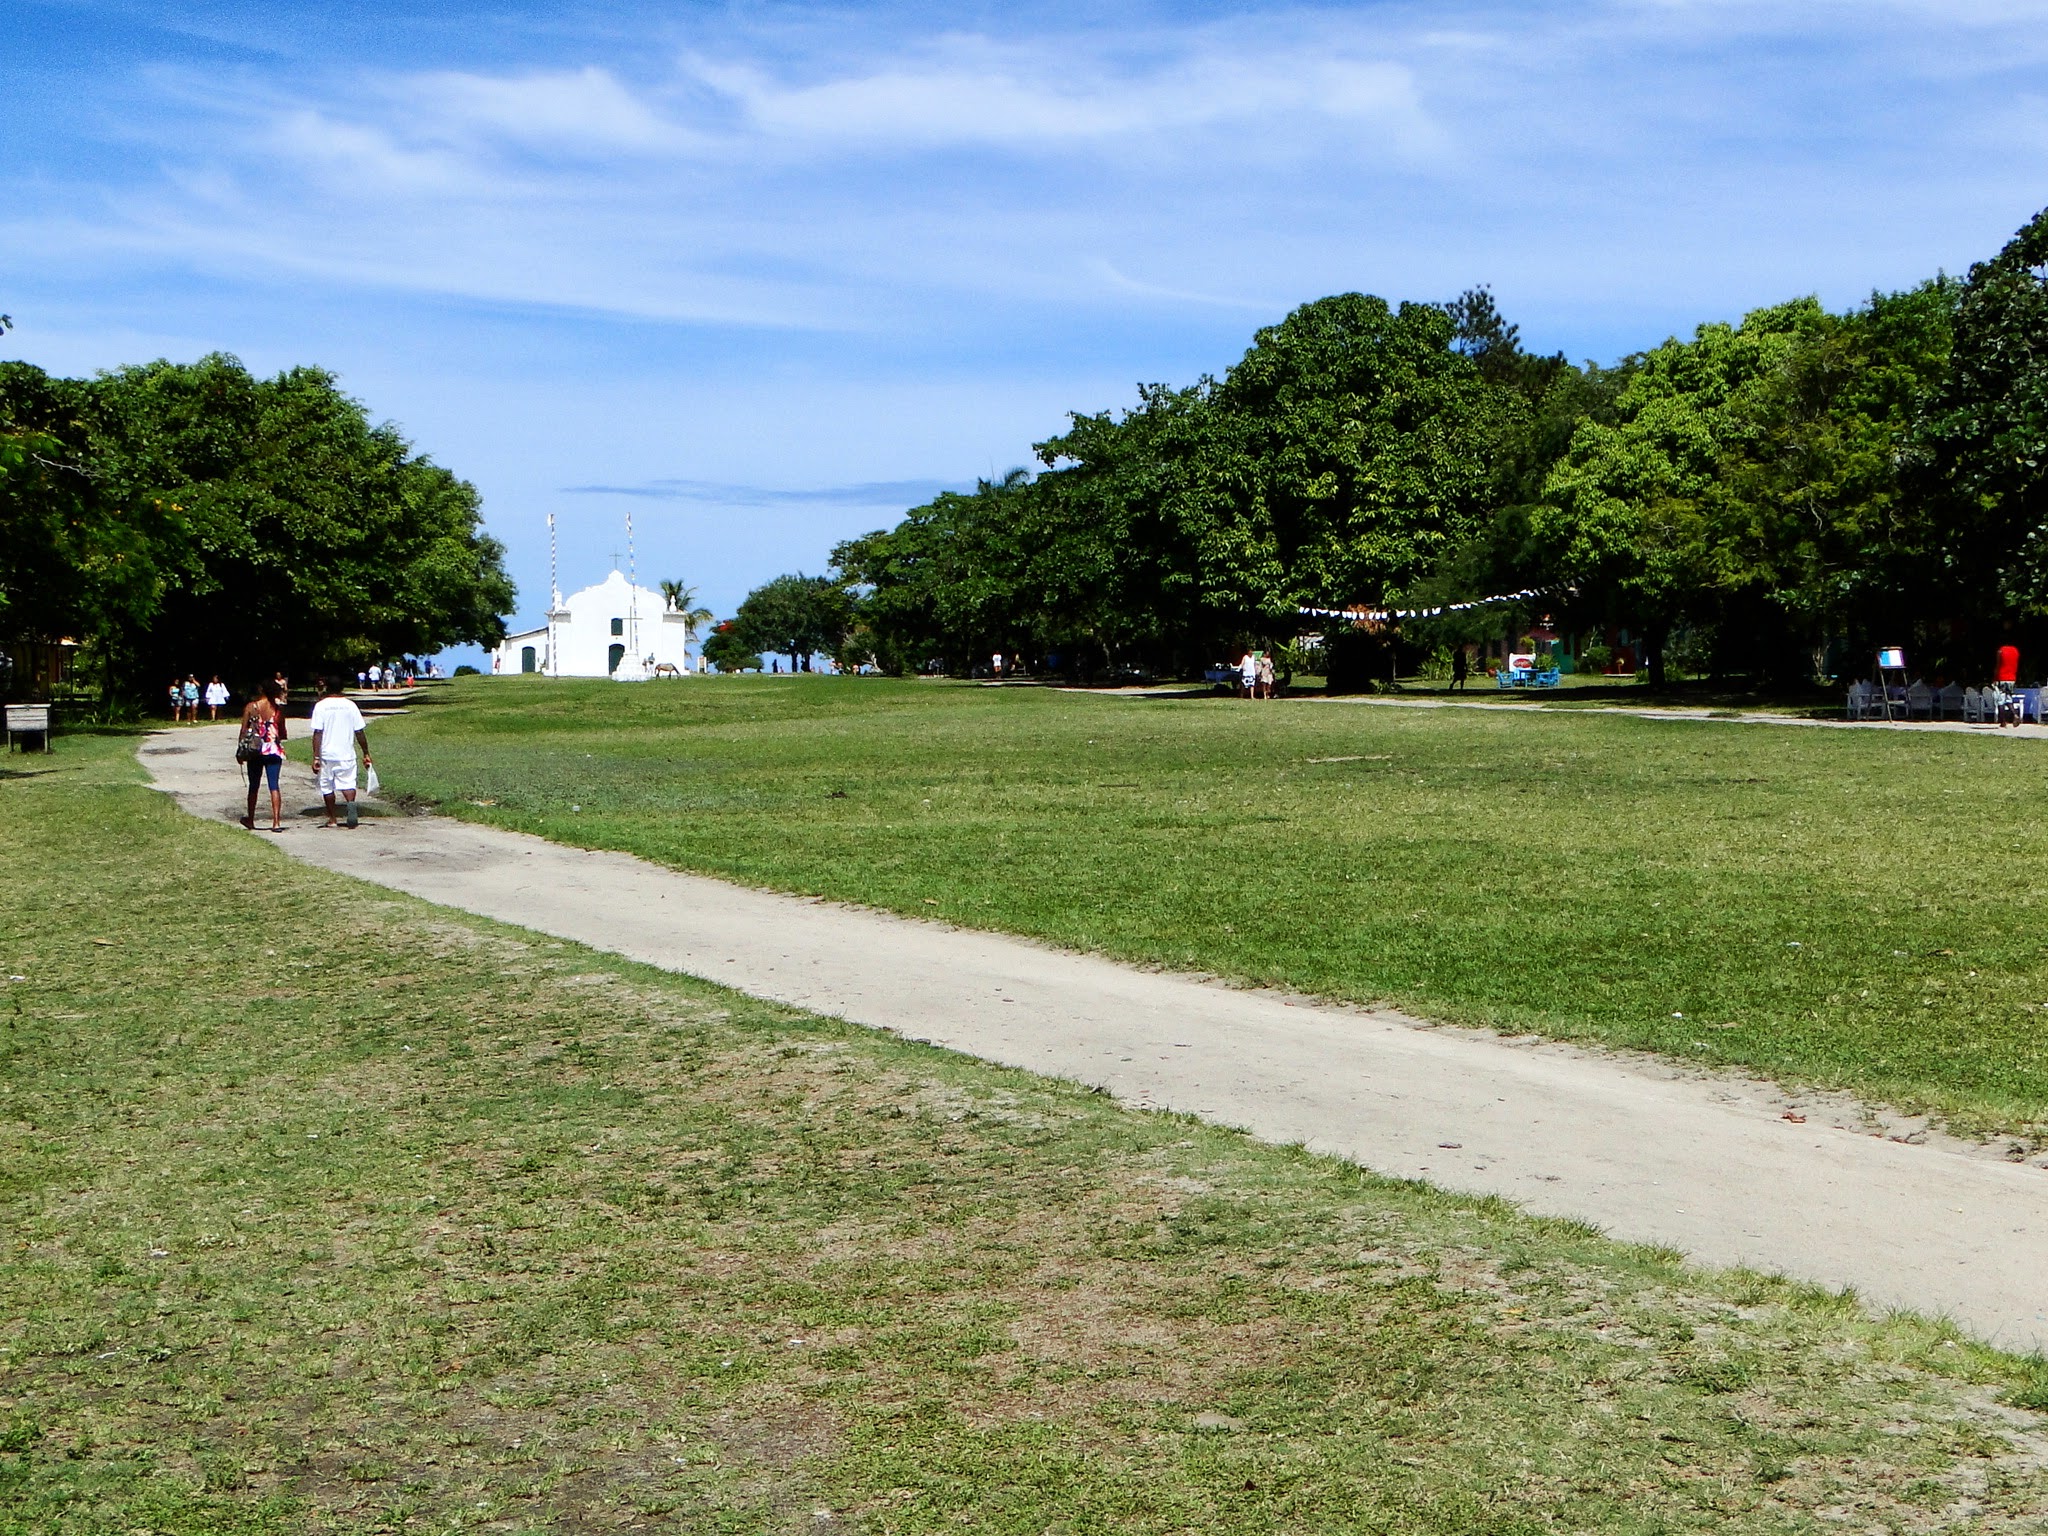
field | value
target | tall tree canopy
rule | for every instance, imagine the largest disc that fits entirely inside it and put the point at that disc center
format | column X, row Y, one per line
column 1798, row 485
column 192, row 516
column 1352, row 446
column 797, row 615
column 1752, row 479
column 1343, row 453
column 1987, row 431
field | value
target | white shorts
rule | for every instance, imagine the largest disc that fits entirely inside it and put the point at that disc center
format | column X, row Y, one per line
column 337, row 777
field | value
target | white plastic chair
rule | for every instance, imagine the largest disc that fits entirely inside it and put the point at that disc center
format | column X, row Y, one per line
column 1857, row 694
column 1919, row 702
column 1973, row 707
column 1948, row 704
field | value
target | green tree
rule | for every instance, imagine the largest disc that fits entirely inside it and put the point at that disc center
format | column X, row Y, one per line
column 1814, row 516
column 677, row 595
column 1628, row 521
column 796, row 615
column 1986, row 438
column 725, row 650
column 1338, row 461
column 1366, row 446
column 1345, row 453
column 75, row 563
column 1749, row 483
column 213, row 520
column 1016, row 566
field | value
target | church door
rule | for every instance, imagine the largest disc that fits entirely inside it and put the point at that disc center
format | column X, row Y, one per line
column 526, row 658
column 618, row 654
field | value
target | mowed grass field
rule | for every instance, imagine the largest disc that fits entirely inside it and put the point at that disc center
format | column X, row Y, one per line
column 328, row 1211
column 1850, row 909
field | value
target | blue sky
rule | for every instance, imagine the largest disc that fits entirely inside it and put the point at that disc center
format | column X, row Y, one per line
column 768, row 274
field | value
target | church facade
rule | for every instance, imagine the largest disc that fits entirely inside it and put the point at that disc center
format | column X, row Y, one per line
column 614, row 629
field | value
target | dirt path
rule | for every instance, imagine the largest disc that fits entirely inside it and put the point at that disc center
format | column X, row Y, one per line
column 1526, row 703
column 1705, row 716
column 1647, row 1155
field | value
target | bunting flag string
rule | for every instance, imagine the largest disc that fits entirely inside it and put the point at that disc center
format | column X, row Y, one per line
column 1382, row 615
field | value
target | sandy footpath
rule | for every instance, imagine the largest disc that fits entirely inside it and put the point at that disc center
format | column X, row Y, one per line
column 1702, row 715
column 1645, row 1155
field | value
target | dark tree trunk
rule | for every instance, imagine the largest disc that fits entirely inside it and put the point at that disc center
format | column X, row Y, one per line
column 1654, row 636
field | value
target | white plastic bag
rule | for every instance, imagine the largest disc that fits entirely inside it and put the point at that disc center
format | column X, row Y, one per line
column 370, row 779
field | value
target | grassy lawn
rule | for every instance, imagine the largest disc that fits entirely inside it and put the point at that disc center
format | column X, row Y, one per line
column 325, row 1210
column 1853, row 909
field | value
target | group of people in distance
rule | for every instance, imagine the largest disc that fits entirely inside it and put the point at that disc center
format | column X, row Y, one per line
column 338, row 733
column 1255, row 675
column 393, row 674
column 187, row 696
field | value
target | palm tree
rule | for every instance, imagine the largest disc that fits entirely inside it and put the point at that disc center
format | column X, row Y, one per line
column 679, row 595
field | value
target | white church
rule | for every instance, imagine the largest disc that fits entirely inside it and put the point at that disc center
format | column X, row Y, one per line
column 614, row 629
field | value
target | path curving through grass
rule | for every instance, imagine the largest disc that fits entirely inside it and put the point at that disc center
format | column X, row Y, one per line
column 1854, row 910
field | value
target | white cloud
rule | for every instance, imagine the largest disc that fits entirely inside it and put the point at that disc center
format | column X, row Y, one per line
column 869, row 176
column 585, row 109
column 973, row 93
column 833, row 245
column 1122, row 283
column 368, row 159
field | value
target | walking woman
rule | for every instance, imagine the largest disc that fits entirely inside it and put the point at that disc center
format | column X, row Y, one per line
column 262, row 750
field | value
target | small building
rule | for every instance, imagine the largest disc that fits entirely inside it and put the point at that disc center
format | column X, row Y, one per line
column 614, row 629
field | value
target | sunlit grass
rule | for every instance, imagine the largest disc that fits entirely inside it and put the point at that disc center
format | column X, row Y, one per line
column 1851, row 909
column 329, row 1211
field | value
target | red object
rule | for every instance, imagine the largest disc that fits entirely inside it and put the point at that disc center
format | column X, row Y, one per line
column 2008, row 664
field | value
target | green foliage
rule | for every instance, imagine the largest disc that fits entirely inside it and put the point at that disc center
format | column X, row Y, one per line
column 796, row 615
column 1750, row 479
column 725, row 650
column 1363, row 442
column 1350, row 447
column 181, row 516
column 1627, row 515
column 1797, row 481
column 1987, row 431
column 678, row 595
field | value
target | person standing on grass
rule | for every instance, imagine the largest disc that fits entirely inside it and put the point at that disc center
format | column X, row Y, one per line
column 2005, row 673
column 338, row 730
column 264, row 716
column 1460, row 669
column 177, row 701
column 191, row 691
column 216, row 696
column 1267, row 675
column 1248, row 674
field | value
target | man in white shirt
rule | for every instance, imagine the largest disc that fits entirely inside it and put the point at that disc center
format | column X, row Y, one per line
column 337, row 731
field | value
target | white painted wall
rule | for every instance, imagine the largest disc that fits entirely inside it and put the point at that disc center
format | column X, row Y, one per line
column 583, row 635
